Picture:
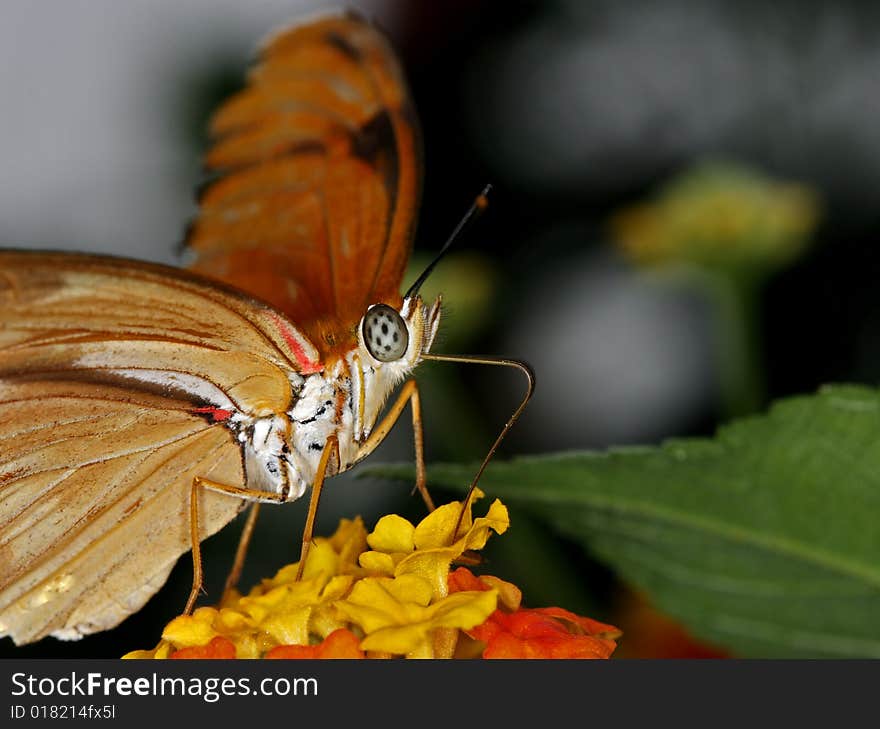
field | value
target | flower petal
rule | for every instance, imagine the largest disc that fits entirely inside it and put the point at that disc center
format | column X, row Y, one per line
column 586, row 625
column 393, row 533
column 413, row 637
column 435, row 530
column 340, row 643
column 219, row 647
column 349, row 540
column 191, row 630
column 377, row 562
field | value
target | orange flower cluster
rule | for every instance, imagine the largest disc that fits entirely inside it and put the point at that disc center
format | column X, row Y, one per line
column 513, row 631
column 387, row 594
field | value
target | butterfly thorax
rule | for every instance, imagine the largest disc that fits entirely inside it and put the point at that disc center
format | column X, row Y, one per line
column 282, row 451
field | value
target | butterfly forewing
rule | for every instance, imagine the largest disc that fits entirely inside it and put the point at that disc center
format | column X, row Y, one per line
column 116, row 381
column 319, row 177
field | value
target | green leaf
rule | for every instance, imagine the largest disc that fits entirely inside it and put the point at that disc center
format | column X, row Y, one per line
column 765, row 539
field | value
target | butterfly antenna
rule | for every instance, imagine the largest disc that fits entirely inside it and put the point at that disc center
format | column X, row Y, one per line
column 480, row 203
column 530, row 389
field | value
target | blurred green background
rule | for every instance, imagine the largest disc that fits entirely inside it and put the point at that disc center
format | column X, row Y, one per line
column 682, row 228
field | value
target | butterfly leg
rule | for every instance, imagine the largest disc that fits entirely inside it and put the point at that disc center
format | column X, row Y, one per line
column 241, row 552
column 409, row 393
column 243, row 493
column 331, row 446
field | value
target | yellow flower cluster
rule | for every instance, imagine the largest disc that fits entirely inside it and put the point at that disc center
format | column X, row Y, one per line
column 388, row 587
column 719, row 215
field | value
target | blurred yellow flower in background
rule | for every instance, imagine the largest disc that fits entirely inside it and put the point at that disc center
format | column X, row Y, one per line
column 720, row 215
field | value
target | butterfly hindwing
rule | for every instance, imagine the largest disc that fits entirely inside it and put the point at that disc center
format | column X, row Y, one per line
column 95, row 484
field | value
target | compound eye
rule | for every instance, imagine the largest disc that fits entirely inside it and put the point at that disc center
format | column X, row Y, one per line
column 385, row 333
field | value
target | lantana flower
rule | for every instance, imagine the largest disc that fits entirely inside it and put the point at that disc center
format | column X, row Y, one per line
column 387, row 594
column 720, row 216
column 513, row 631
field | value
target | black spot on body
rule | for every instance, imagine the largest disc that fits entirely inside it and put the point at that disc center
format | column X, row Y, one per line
column 315, row 447
column 384, row 329
column 318, row 413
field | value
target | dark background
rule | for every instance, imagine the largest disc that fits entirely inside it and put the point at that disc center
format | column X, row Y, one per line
column 572, row 110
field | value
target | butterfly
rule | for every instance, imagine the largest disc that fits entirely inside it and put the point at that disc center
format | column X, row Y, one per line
column 142, row 407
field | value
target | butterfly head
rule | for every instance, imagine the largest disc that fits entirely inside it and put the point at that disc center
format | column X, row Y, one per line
column 397, row 339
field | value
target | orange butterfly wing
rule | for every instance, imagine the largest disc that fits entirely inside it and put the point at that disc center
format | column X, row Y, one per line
column 106, row 369
column 319, row 177
column 96, row 512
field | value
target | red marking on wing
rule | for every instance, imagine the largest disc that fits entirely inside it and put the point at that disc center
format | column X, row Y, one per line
column 307, row 366
column 219, row 414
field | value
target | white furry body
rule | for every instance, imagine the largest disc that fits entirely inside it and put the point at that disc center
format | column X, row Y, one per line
column 282, row 451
